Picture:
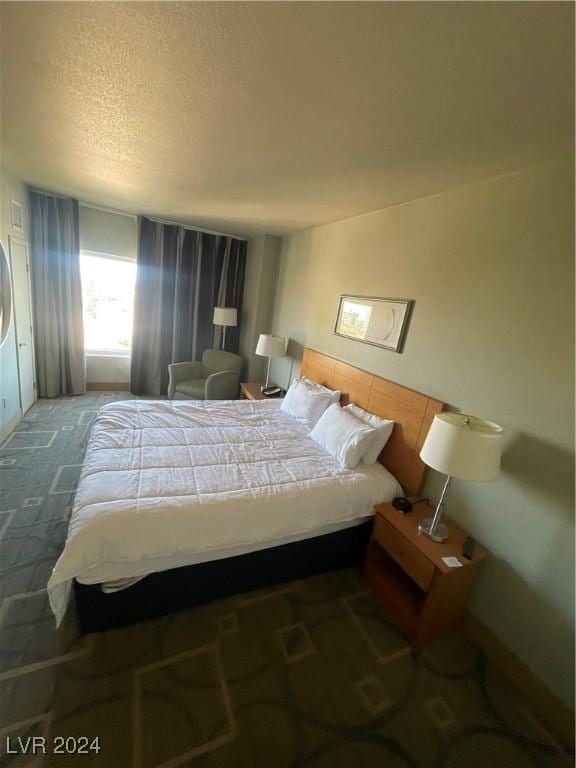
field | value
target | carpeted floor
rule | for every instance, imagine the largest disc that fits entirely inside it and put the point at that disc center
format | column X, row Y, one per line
column 308, row 674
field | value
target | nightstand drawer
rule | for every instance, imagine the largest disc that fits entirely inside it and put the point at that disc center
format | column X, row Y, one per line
column 418, row 567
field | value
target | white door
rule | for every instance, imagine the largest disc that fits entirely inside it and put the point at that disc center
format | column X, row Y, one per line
column 23, row 321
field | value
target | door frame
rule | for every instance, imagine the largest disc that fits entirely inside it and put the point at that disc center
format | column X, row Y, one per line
column 14, row 239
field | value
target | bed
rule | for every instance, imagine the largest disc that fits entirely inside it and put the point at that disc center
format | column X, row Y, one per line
column 180, row 502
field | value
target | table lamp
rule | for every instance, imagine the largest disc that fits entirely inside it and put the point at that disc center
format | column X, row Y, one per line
column 225, row 316
column 270, row 347
column 460, row 446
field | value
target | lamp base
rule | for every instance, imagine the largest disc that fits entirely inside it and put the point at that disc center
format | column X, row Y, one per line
column 425, row 527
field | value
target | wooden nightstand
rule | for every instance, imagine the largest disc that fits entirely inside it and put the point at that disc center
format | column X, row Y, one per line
column 251, row 391
column 425, row 597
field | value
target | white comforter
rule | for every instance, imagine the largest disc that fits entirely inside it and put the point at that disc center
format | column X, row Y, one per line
column 166, row 484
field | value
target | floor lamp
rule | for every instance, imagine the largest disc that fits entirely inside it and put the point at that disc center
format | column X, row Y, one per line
column 226, row 317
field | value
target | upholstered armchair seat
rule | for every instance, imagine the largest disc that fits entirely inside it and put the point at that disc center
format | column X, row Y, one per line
column 192, row 388
column 217, row 377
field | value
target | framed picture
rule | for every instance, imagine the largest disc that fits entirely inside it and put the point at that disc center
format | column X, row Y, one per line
column 16, row 214
column 382, row 322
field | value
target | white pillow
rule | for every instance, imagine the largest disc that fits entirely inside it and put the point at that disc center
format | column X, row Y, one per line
column 343, row 435
column 382, row 431
column 305, row 402
column 335, row 394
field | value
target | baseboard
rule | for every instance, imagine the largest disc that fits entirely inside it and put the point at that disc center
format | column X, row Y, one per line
column 9, row 426
column 555, row 716
column 108, row 386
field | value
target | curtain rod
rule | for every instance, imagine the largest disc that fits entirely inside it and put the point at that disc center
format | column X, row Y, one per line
column 48, row 194
column 105, row 209
column 135, row 216
column 193, row 229
column 159, row 220
column 84, row 204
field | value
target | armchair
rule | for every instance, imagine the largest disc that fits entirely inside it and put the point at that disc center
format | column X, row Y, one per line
column 217, row 377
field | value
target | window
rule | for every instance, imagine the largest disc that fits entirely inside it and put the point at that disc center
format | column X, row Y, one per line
column 354, row 319
column 108, row 298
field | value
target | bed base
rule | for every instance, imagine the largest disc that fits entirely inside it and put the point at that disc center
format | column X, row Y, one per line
column 181, row 588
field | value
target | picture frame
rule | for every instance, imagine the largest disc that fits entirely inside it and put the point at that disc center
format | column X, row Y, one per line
column 16, row 217
column 374, row 320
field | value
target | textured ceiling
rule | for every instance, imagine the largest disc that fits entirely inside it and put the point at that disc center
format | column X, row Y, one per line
column 271, row 117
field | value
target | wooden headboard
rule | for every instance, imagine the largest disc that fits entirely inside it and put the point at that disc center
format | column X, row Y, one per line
column 412, row 412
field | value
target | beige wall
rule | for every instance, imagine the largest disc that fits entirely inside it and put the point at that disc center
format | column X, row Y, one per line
column 10, row 413
column 490, row 269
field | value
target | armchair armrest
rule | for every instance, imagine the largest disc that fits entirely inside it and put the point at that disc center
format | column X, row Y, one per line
column 222, row 385
column 182, row 372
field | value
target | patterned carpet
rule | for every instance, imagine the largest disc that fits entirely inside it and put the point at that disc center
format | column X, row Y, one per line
column 307, row 674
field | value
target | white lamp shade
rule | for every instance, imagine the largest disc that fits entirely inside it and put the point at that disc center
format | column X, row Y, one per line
column 271, row 346
column 463, row 446
column 225, row 316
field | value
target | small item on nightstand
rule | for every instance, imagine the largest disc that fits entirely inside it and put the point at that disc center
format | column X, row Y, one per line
column 272, row 391
column 452, row 562
column 468, row 547
column 402, row 504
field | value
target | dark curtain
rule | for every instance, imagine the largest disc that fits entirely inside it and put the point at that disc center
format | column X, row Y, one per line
column 181, row 276
column 57, row 290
